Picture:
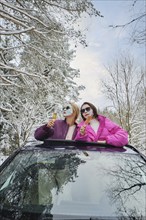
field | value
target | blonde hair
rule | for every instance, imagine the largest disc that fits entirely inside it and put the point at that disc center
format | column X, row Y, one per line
column 75, row 109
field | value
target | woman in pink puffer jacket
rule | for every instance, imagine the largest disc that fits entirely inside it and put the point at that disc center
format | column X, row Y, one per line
column 100, row 129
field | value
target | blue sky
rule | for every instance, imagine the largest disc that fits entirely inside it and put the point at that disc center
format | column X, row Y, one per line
column 104, row 45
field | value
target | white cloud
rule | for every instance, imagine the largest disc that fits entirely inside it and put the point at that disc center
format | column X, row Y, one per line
column 91, row 71
column 104, row 45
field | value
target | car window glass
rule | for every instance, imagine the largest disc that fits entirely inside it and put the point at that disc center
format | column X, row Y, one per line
column 91, row 183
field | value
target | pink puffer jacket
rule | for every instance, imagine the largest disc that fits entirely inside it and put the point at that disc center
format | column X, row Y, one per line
column 112, row 133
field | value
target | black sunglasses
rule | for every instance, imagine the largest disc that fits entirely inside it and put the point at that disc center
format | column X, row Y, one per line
column 66, row 108
column 85, row 109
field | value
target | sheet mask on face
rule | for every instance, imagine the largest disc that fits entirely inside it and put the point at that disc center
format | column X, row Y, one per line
column 67, row 110
column 87, row 110
column 91, row 112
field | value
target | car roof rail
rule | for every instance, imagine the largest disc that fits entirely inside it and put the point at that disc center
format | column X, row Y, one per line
column 54, row 143
column 136, row 150
column 57, row 142
column 82, row 145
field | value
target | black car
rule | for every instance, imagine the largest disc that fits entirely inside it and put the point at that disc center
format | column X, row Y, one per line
column 60, row 179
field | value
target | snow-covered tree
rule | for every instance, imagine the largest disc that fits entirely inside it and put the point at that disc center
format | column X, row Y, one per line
column 126, row 89
column 31, row 23
column 36, row 76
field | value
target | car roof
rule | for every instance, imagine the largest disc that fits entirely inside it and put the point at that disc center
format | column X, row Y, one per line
column 67, row 145
column 81, row 145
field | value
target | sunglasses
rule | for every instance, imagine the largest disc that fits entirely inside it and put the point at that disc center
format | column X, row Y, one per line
column 66, row 108
column 85, row 109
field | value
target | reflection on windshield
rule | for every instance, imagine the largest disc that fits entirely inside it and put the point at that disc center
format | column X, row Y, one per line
column 35, row 179
column 43, row 183
column 127, row 190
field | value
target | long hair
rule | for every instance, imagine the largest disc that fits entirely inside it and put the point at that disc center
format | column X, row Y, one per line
column 95, row 114
column 75, row 109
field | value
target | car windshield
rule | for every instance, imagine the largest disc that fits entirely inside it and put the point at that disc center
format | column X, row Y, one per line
column 74, row 183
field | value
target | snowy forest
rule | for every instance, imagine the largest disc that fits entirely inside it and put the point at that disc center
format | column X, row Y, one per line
column 36, row 76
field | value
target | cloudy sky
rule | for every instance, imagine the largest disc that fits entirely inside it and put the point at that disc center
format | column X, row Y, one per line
column 104, row 45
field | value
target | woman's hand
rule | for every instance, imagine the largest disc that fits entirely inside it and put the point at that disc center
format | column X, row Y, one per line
column 83, row 130
column 51, row 123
